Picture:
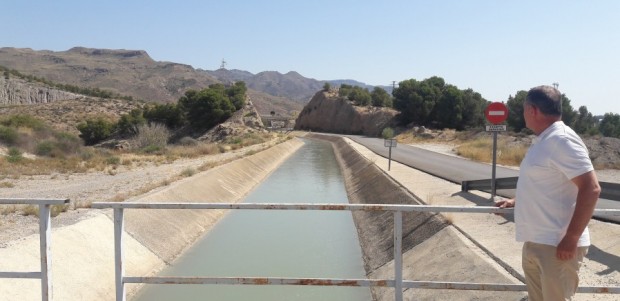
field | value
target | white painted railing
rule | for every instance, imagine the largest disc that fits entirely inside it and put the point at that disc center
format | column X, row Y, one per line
column 397, row 283
column 45, row 230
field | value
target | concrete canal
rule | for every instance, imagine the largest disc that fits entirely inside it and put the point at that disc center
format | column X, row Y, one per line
column 298, row 244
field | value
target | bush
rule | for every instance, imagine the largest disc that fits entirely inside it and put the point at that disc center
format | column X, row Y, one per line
column 45, row 148
column 154, row 136
column 387, row 133
column 8, row 135
column 129, row 123
column 25, row 121
column 114, row 160
column 326, row 87
column 15, row 155
column 68, row 143
column 95, row 130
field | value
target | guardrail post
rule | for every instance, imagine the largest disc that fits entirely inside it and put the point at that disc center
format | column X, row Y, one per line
column 118, row 254
column 398, row 255
column 44, row 237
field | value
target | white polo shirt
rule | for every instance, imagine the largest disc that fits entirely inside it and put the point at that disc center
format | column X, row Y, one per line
column 546, row 196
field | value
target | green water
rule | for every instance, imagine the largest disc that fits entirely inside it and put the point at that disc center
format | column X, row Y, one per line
column 296, row 244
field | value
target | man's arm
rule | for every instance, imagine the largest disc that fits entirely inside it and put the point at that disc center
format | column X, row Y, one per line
column 589, row 191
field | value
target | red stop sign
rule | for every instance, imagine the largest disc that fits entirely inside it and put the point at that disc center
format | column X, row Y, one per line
column 496, row 112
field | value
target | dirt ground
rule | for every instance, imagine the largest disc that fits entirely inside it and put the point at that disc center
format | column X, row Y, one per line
column 84, row 188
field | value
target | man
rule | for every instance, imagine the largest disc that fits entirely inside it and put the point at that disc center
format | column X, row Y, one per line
column 556, row 195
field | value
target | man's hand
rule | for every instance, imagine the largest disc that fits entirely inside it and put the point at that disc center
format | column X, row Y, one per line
column 504, row 203
column 567, row 248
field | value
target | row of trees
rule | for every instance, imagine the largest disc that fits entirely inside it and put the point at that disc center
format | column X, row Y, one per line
column 362, row 97
column 196, row 110
column 433, row 103
column 581, row 120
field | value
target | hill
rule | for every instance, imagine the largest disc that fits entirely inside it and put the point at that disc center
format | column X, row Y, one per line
column 126, row 72
column 134, row 73
column 291, row 85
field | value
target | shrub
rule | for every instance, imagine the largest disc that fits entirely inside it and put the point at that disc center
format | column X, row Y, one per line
column 387, row 133
column 15, row 155
column 129, row 123
column 154, row 136
column 45, row 148
column 22, row 120
column 67, row 142
column 326, row 87
column 151, row 149
column 95, row 130
column 188, row 172
column 8, row 135
column 114, row 160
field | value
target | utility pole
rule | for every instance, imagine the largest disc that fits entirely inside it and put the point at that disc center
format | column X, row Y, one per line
column 556, row 85
column 223, row 65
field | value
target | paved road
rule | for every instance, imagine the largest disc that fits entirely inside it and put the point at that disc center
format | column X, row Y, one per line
column 454, row 169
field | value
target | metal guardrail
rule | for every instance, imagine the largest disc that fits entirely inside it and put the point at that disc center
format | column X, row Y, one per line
column 45, row 229
column 398, row 283
column 609, row 191
column 486, row 184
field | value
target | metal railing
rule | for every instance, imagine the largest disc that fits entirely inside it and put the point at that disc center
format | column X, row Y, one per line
column 45, row 229
column 609, row 191
column 398, row 283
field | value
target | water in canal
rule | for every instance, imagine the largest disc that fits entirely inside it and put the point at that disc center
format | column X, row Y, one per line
column 296, row 244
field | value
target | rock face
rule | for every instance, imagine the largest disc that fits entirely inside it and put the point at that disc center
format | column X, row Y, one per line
column 245, row 120
column 15, row 91
column 327, row 112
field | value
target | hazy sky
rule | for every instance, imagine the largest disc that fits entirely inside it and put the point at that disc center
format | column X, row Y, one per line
column 495, row 47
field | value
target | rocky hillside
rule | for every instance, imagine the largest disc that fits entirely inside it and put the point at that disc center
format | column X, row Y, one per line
column 134, row 73
column 126, row 72
column 327, row 112
column 16, row 91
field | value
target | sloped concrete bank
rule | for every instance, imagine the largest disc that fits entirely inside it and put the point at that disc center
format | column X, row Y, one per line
column 432, row 249
column 83, row 253
column 167, row 233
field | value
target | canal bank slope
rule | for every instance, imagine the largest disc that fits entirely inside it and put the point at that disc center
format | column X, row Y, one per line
column 433, row 250
column 83, row 253
column 478, row 248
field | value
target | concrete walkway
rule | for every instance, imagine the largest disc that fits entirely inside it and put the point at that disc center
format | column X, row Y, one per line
column 494, row 235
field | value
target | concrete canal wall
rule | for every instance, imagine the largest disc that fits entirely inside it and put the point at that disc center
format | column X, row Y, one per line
column 433, row 249
column 83, row 253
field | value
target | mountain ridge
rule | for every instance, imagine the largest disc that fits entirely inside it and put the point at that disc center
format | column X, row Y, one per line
column 134, row 73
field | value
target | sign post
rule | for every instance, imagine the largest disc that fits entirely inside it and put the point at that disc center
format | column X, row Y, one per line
column 495, row 113
column 389, row 143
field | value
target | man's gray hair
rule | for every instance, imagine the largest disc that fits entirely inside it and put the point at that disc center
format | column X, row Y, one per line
column 547, row 99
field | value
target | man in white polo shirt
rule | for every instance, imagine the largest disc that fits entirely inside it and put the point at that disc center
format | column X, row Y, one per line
column 556, row 195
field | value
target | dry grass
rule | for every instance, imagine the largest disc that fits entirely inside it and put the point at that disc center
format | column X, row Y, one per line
column 194, row 151
column 6, row 184
column 55, row 210
column 471, row 145
column 481, row 150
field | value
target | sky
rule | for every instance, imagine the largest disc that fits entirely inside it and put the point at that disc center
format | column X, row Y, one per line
column 494, row 47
